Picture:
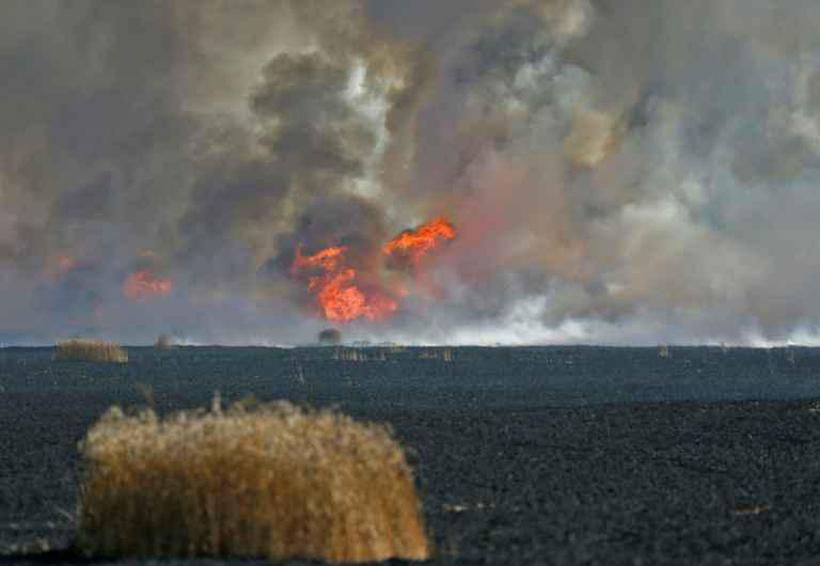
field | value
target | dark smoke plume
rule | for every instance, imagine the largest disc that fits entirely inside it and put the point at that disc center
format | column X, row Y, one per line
column 618, row 170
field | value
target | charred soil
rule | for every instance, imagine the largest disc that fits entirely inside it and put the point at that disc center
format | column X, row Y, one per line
column 589, row 456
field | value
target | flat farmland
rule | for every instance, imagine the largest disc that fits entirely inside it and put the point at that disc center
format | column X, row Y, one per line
column 554, row 455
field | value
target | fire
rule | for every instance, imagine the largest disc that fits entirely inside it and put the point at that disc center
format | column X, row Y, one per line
column 328, row 259
column 144, row 284
column 339, row 296
column 65, row 263
column 415, row 244
column 58, row 267
column 338, row 287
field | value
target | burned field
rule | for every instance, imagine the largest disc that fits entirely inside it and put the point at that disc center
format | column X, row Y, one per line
column 522, row 455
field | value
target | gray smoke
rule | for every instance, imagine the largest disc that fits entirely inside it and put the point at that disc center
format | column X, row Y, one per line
column 619, row 170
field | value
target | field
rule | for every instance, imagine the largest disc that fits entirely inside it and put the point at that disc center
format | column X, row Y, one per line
column 594, row 456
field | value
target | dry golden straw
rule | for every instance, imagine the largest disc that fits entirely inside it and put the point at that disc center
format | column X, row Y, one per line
column 84, row 350
column 276, row 481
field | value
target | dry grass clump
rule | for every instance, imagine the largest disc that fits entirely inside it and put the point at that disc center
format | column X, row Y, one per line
column 359, row 355
column 443, row 354
column 275, row 480
column 84, row 350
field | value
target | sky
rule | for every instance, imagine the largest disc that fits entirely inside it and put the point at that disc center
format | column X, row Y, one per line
column 614, row 171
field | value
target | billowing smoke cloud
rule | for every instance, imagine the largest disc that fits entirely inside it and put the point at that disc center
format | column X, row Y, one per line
column 618, row 170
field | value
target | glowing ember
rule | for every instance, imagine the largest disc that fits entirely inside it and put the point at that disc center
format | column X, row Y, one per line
column 144, row 284
column 415, row 244
column 340, row 299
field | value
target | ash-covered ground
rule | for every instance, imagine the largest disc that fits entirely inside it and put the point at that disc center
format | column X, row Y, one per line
column 594, row 456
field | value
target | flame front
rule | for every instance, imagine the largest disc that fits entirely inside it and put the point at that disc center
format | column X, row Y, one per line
column 328, row 260
column 337, row 286
column 415, row 244
column 338, row 295
column 144, row 284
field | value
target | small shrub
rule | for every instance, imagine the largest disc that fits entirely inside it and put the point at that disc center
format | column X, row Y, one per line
column 330, row 337
column 163, row 342
column 274, row 480
column 84, row 350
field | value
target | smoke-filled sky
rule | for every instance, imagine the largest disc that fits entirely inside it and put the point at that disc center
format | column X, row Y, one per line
column 618, row 171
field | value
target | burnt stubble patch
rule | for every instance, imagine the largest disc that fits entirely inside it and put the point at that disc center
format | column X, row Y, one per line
column 565, row 455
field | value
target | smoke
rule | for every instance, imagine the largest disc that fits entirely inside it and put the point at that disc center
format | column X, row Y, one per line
column 618, row 171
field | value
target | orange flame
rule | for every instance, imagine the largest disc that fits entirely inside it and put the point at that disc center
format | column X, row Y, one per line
column 66, row 263
column 337, row 287
column 144, row 284
column 340, row 299
column 328, row 259
column 60, row 266
column 415, row 244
